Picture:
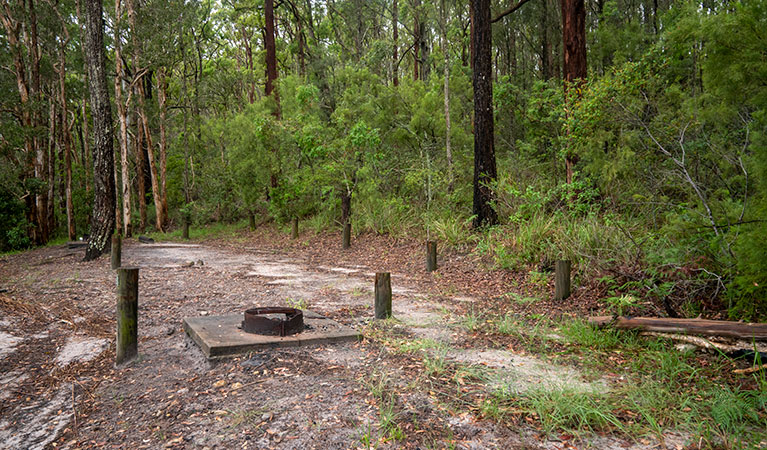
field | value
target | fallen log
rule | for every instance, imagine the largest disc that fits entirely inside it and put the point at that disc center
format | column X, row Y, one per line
column 738, row 330
column 733, row 348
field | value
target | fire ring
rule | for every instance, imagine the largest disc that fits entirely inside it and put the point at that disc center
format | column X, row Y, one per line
column 257, row 322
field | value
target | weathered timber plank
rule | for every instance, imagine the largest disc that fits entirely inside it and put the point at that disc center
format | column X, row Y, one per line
column 739, row 330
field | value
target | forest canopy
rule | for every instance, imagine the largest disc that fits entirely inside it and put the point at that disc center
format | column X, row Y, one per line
column 648, row 167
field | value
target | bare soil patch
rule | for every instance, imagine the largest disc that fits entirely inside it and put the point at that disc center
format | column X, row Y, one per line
column 60, row 389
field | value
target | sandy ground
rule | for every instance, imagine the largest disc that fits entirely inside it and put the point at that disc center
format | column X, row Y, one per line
column 60, row 389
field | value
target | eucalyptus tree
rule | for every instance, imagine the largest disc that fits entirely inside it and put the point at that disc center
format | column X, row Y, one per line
column 103, row 219
column 484, row 145
column 574, row 67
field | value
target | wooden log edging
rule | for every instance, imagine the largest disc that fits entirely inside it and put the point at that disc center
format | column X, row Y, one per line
column 724, row 328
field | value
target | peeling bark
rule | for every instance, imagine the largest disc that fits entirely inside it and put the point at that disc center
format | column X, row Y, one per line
column 122, row 115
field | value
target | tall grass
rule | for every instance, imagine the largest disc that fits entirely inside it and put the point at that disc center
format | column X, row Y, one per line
column 591, row 239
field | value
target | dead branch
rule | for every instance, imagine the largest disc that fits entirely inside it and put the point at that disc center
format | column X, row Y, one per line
column 706, row 343
column 738, row 330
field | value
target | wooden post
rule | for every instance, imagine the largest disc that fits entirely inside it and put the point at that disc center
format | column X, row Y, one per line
column 127, row 315
column 347, row 235
column 431, row 256
column 562, row 280
column 252, row 221
column 383, row 295
column 294, row 231
column 116, row 251
column 185, row 231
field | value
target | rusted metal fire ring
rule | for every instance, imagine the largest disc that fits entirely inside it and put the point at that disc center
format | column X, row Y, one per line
column 256, row 321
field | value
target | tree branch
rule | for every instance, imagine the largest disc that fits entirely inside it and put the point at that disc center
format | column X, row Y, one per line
column 509, row 11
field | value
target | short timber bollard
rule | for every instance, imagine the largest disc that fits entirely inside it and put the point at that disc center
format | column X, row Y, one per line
column 294, row 230
column 431, row 256
column 562, row 280
column 127, row 315
column 347, row 235
column 185, row 231
column 116, row 251
column 383, row 295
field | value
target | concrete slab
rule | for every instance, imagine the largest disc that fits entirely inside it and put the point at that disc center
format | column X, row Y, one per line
column 220, row 336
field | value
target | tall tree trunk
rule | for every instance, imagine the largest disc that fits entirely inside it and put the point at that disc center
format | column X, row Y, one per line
column 122, row 115
column 35, row 93
column 249, row 63
column 416, row 40
column 118, row 198
column 65, row 130
column 144, row 86
column 513, row 53
column 471, row 35
column 85, row 137
column 13, row 29
column 140, row 175
column 424, row 53
column 71, row 227
column 546, row 55
column 448, row 146
column 346, row 205
column 160, row 222
column 103, row 222
column 48, row 163
column 484, row 150
column 86, row 149
column 574, row 40
column 185, row 115
column 301, row 49
column 395, row 45
column 271, row 71
column 162, row 89
column 271, row 55
column 574, row 53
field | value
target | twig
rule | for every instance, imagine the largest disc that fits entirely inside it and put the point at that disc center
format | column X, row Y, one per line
column 74, row 411
column 708, row 344
column 750, row 369
column 256, row 382
column 695, row 340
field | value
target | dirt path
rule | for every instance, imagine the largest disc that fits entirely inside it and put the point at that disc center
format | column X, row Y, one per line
column 59, row 387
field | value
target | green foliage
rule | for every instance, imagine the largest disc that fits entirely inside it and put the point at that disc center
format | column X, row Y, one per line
column 570, row 409
column 13, row 223
column 668, row 133
column 735, row 71
column 621, row 304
